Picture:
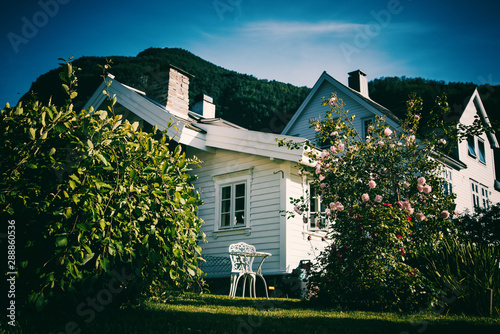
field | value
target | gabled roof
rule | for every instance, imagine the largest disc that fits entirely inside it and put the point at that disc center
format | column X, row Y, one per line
column 193, row 129
column 475, row 98
column 357, row 96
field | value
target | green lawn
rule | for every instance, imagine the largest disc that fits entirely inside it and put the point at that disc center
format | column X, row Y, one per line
column 218, row 314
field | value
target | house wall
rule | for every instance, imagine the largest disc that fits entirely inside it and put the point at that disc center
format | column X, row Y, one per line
column 482, row 173
column 298, row 246
column 264, row 221
column 315, row 109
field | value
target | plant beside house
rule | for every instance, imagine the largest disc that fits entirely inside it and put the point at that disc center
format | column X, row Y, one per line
column 383, row 198
column 102, row 211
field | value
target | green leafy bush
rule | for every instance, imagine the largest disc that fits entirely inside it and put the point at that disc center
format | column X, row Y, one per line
column 481, row 227
column 97, row 203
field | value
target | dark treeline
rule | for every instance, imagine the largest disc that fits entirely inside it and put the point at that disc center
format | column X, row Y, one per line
column 253, row 103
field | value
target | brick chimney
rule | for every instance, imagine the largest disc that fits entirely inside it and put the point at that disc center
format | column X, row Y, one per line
column 204, row 106
column 172, row 91
column 358, row 82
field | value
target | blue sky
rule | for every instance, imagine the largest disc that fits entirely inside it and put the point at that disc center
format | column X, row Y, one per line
column 292, row 42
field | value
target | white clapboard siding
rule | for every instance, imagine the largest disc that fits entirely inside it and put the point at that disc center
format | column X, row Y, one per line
column 482, row 173
column 264, row 207
column 315, row 110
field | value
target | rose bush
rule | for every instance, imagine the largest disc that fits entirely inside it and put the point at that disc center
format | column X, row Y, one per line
column 384, row 200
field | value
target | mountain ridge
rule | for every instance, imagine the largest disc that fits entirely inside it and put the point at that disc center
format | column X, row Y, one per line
column 256, row 104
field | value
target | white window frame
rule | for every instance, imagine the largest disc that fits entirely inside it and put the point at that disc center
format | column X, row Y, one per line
column 448, row 183
column 232, row 180
column 481, row 154
column 316, row 220
column 471, row 146
column 364, row 126
column 480, row 195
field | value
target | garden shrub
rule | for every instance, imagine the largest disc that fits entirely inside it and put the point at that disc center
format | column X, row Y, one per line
column 383, row 200
column 482, row 226
column 97, row 204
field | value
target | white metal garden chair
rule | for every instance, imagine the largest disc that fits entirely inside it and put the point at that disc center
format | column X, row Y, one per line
column 241, row 266
column 242, row 256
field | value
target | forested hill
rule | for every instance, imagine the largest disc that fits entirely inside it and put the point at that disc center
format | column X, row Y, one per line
column 261, row 105
column 393, row 92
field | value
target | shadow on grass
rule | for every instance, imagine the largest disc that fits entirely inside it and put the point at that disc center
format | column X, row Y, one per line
column 215, row 314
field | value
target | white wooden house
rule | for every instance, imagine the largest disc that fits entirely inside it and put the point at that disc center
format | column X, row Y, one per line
column 246, row 180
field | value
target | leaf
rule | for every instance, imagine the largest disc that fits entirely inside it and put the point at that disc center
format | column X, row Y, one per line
column 52, row 151
column 73, row 95
column 66, row 88
column 32, row 133
column 103, row 159
column 61, row 241
column 104, row 263
column 32, row 166
column 90, row 144
column 87, row 258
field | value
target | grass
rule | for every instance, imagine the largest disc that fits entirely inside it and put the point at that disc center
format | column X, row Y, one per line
column 220, row 314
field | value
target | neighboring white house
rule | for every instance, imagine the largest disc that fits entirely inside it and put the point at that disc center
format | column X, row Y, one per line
column 246, row 180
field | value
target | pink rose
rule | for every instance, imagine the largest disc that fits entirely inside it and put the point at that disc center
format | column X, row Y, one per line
column 380, row 143
column 427, row 189
column 420, row 188
column 365, row 197
column 324, row 154
column 420, row 216
column 445, row 214
column 332, row 101
column 372, row 184
column 378, row 199
column 322, row 185
column 421, row 180
column 334, row 133
column 387, row 132
column 321, row 177
column 297, row 209
column 340, row 207
column 340, row 147
column 399, row 204
column 333, row 149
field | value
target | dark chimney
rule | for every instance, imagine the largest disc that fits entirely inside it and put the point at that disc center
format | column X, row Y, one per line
column 358, row 82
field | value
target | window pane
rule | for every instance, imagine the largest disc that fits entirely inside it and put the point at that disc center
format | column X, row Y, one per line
column 225, row 206
column 482, row 156
column 472, row 145
column 225, row 219
column 240, row 190
column 240, row 218
column 240, row 204
column 226, row 192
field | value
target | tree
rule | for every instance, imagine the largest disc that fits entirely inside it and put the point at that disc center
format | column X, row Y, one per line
column 96, row 203
column 384, row 200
